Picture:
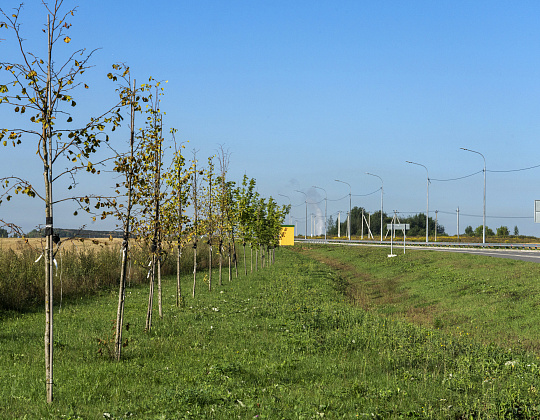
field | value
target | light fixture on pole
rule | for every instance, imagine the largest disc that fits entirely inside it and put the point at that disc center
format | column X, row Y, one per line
column 325, row 202
column 484, row 217
column 287, row 197
column 382, row 193
column 350, row 204
column 427, row 207
column 301, row 192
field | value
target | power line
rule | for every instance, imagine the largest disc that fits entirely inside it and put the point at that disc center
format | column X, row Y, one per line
column 516, row 170
column 364, row 195
column 337, row 199
column 455, row 179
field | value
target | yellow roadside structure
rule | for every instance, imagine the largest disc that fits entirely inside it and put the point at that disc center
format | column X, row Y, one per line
column 286, row 238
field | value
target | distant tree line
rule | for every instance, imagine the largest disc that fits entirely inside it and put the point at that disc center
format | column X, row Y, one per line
column 73, row 233
column 417, row 223
column 501, row 231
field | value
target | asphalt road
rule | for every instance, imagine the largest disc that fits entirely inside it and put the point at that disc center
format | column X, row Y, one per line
column 531, row 255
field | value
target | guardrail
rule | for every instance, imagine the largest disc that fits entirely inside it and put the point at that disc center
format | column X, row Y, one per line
column 424, row 244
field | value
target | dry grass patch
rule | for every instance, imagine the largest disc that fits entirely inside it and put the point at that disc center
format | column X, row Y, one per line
column 38, row 244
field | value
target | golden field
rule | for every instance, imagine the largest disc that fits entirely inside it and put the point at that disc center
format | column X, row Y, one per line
column 19, row 244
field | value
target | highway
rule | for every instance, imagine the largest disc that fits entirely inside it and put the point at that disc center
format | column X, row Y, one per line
column 522, row 252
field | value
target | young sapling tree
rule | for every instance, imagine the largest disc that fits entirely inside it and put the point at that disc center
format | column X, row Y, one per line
column 45, row 89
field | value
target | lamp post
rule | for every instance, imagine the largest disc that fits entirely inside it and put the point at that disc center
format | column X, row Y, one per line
column 350, row 204
column 325, row 202
column 382, row 192
column 301, row 192
column 427, row 207
column 287, row 197
column 484, row 217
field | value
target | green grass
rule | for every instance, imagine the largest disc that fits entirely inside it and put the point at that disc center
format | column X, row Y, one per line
column 494, row 299
column 285, row 342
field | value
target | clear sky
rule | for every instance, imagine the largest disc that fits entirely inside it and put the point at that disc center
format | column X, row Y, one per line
column 305, row 92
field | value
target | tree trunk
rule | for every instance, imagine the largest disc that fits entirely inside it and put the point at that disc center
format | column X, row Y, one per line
column 151, row 295
column 230, row 262
column 245, row 266
column 160, row 294
column 220, row 260
column 121, row 301
column 210, row 266
column 49, row 252
column 235, row 260
column 179, row 299
column 125, row 243
column 194, row 267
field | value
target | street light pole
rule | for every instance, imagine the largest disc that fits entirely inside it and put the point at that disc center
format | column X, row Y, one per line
column 382, row 192
column 325, row 202
column 484, row 217
column 290, row 205
column 427, row 207
column 350, row 204
column 301, row 192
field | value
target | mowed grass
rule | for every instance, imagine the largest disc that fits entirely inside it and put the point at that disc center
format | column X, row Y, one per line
column 496, row 300
column 283, row 343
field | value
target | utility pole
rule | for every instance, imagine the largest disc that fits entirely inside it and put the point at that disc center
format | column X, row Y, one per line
column 325, row 208
column 427, row 207
column 436, row 211
column 457, row 212
column 350, row 209
column 382, row 194
column 301, row 192
column 484, row 217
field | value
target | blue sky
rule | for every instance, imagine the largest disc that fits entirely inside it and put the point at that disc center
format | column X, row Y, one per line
column 306, row 92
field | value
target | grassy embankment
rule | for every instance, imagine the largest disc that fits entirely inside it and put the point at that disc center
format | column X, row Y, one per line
column 520, row 239
column 287, row 342
column 494, row 299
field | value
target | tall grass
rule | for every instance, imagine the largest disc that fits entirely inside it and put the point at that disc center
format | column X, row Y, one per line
column 80, row 272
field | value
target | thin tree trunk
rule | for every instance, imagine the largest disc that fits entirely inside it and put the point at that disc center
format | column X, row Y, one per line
column 157, row 226
column 245, row 266
column 220, row 259
column 194, row 267
column 235, row 260
column 121, row 302
column 49, row 255
column 160, row 294
column 210, row 267
column 179, row 299
column 150, row 295
column 251, row 256
column 125, row 243
column 230, row 263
